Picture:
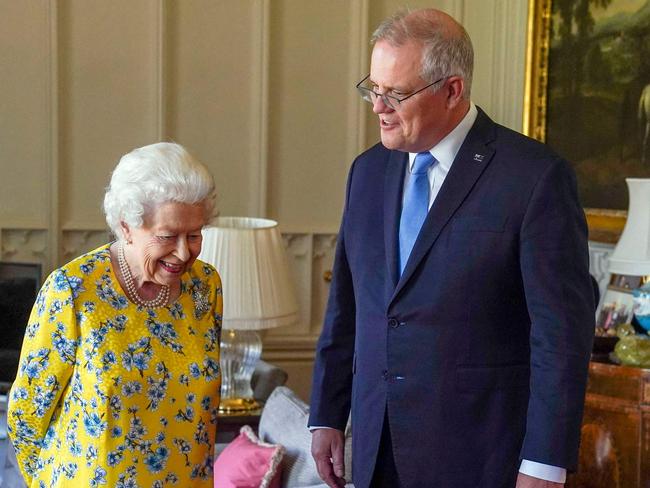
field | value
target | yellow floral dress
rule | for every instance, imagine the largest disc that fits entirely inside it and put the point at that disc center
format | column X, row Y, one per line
column 109, row 394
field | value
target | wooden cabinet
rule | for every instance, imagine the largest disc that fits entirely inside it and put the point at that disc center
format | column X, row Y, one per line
column 615, row 442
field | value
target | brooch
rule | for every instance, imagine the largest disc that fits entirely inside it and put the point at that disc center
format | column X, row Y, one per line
column 201, row 298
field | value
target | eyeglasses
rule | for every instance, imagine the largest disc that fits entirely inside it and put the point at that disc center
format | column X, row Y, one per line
column 370, row 96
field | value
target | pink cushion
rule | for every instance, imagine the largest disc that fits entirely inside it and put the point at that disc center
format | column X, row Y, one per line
column 248, row 462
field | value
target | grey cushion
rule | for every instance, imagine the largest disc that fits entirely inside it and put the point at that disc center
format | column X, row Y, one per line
column 284, row 421
column 265, row 378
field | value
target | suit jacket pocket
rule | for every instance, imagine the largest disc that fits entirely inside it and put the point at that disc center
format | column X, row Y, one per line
column 473, row 378
column 478, row 223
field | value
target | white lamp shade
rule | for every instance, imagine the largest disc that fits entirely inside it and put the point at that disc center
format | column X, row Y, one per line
column 249, row 256
column 632, row 253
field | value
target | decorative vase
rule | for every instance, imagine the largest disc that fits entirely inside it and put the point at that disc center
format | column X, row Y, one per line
column 632, row 349
column 641, row 307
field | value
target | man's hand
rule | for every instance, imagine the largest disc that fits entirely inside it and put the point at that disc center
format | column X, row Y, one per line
column 327, row 447
column 525, row 481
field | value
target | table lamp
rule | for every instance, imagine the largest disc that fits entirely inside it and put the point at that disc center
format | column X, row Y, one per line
column 257, row 294
column 629, row 264
column 632, row 253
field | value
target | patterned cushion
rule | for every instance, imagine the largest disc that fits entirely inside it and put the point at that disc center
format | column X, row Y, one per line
column 284, row 421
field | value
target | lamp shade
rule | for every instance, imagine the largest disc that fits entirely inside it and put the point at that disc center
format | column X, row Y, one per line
column 632, row 253
column 249, row 256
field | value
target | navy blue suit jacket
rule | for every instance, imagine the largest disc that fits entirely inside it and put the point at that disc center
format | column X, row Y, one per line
column 479, row 351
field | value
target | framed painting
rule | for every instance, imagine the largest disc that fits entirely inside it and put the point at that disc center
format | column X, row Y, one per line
column 588, row 97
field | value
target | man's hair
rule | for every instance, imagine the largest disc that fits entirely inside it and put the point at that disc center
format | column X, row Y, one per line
column 446, row 46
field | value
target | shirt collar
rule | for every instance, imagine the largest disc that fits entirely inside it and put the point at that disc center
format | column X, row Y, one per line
column 445, row 151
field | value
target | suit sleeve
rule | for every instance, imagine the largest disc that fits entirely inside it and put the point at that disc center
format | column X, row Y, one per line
column 46, row 363
column 555, row 270
column 332, row 379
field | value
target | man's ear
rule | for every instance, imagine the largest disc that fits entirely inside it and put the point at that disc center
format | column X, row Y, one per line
column 455, row 88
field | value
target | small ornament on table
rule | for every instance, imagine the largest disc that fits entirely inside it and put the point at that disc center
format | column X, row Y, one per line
column 641, row 307
column 634, row 348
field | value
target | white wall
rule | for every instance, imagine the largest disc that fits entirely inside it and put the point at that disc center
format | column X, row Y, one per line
column 262, row 91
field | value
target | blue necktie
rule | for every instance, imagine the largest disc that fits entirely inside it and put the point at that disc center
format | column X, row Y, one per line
column 416, row 206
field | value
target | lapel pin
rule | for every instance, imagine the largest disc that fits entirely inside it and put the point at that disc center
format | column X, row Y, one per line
column 478, row 157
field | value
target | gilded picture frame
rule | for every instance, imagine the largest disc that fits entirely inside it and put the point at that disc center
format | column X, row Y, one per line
column 605, row 224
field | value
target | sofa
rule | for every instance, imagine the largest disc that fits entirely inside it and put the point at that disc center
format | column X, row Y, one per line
column 284, row 421
column 266, row 377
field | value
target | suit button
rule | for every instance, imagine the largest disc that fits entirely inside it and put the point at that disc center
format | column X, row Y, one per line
column 393, row 322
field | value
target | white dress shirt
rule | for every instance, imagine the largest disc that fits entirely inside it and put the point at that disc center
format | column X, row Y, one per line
column 445, row 153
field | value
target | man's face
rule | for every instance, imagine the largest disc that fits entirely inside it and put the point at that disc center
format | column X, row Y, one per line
column 417, row 124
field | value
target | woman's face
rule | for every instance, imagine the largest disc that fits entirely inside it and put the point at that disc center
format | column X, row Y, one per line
column 167, row 243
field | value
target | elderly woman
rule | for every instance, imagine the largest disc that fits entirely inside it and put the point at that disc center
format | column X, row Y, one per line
column 118, row 382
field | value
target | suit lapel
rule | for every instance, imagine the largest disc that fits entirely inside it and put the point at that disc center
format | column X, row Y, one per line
column 393, row 187
column 471, row 160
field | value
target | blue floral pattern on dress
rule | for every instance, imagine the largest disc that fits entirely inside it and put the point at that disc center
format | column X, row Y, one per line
column 109, row 394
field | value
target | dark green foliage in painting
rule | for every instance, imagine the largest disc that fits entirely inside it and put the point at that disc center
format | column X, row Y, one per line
column 599, row 64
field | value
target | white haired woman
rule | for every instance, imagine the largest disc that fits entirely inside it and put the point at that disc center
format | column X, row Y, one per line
column 118, row 382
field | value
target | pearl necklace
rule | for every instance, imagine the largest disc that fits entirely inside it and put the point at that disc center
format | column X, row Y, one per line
column 163, row 294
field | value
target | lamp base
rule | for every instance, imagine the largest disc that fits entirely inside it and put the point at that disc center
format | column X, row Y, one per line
column 240, row 351
column 238, row 405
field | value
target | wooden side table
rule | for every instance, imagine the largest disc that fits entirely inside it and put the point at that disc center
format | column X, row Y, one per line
column 228, row 424
column 615, row 440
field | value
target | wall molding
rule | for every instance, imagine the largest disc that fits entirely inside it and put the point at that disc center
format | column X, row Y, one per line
column 54, row 167
column 25, row 246
column 498, row 54
column 259, row 148
column 160, row 46
column 509, row 34
column 78, row 241
column 515, row 36
column 357, row 63
column 310, row 254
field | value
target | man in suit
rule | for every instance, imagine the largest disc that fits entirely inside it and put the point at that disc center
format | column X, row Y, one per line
column 461, row 315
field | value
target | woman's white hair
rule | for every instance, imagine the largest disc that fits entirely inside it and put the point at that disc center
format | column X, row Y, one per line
column 447, row 48
column 155, row 174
